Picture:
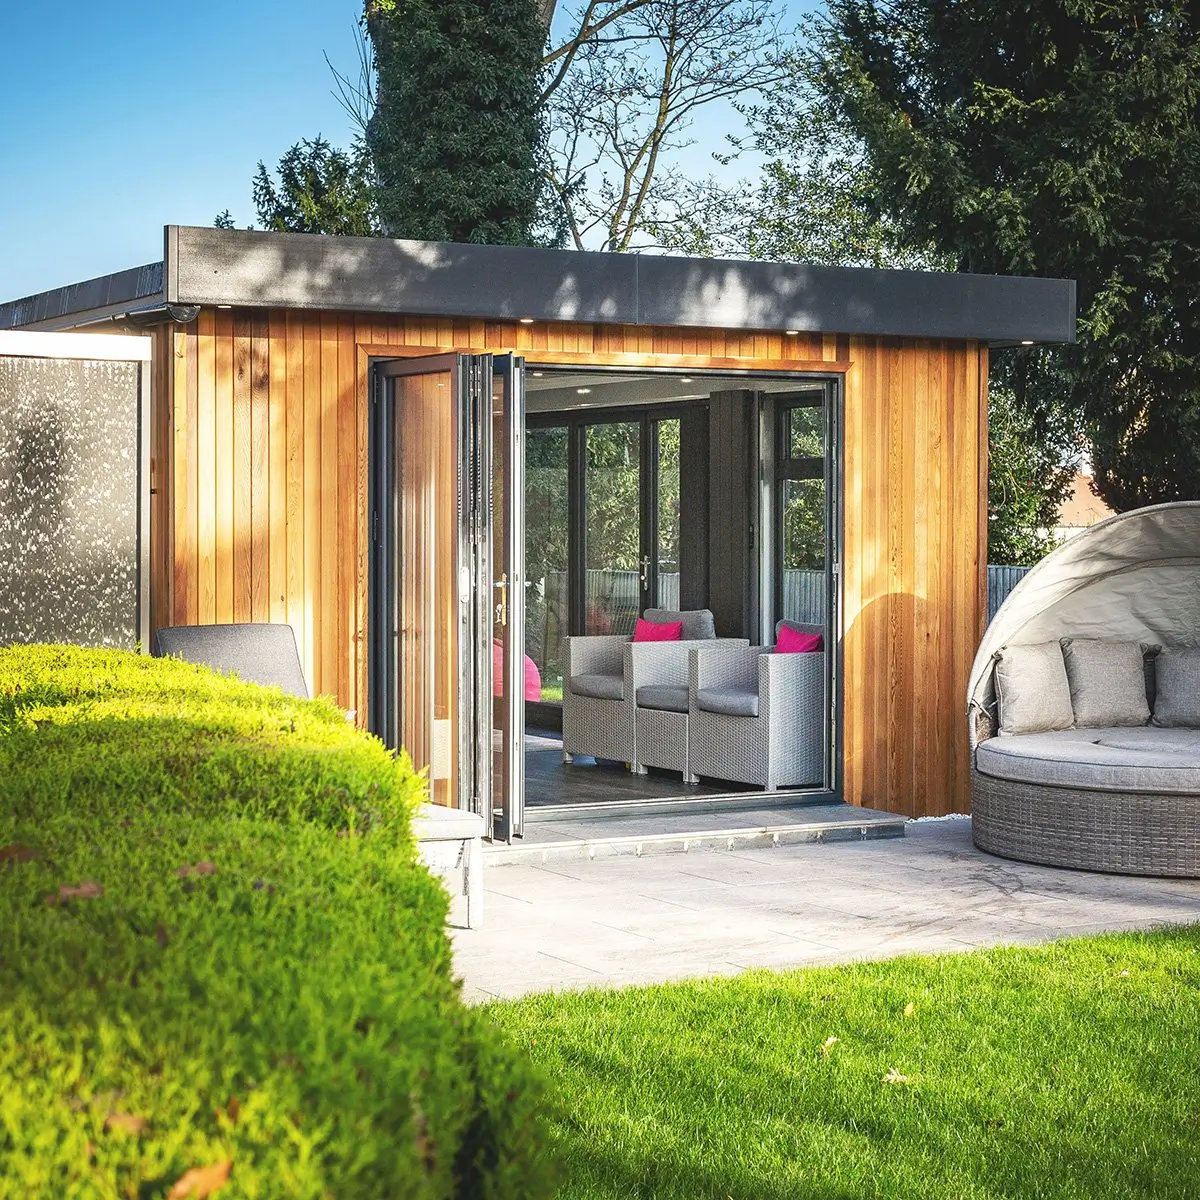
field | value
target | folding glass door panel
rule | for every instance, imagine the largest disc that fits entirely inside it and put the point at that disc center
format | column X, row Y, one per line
column 447, row 636
column 665, row 510
column 547, row 517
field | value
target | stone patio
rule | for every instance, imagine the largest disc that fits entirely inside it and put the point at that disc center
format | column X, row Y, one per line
column 625, row 920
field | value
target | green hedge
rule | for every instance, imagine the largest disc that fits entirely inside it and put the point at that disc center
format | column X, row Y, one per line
column 262, row 989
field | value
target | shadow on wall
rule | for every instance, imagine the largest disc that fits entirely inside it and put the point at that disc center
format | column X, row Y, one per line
column 905, row 733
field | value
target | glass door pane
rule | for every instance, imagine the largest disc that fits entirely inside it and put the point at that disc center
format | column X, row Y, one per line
column 425, row 652
column 547, row 516
column 506, row 711
column 803, row 544
column 667, row 517
column 613, row 568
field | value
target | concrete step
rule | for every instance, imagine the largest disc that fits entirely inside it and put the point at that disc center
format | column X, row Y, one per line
column 731, row 828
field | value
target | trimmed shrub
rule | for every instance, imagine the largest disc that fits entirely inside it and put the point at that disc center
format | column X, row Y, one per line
column 221, row 964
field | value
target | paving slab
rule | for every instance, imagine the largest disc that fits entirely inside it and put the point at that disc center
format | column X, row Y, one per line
column 576, row 923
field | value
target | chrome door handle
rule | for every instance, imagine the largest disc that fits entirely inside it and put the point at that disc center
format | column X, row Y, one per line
column 501, row 585
column 645, row 572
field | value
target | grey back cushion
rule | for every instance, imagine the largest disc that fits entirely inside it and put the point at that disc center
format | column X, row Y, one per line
column 1177, row 697
column 263, row 654
column 697, row 624
column 1031, row 685
column 1107, row 681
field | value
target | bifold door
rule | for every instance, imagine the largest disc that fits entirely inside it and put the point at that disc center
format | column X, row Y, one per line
column 446, row 580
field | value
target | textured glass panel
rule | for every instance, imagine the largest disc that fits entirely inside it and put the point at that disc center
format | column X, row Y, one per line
column 668, row 513
column 612, row 588
column 68, row 502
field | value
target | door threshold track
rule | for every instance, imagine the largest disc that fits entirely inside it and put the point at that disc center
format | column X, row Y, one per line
column 641, row 833
column 556, row 814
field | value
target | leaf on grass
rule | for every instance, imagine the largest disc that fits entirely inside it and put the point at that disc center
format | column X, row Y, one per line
column 86, row 890
column 894, row 1076
column 125, row 1122
column 201, row 1181
column 909, row 1009
column 203, row 867
column 1122, row 974
column 16, row 853
column 828, row 1045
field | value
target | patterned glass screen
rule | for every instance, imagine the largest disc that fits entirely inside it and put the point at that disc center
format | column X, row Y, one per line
column 69, row 505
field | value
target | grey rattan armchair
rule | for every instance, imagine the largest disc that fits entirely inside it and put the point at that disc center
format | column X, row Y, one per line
column 597, row 713
column 599, row 692
column 658, row 675
column 756, row 716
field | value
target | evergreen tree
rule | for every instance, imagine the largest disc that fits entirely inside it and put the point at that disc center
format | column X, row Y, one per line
column 1060, row 138
column 457, row 134
column 321, row 189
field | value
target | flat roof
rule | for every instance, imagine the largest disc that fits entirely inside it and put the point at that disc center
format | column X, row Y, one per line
column 249, row 268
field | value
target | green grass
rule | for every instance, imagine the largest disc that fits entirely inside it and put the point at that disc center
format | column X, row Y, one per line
column 1071, row 1070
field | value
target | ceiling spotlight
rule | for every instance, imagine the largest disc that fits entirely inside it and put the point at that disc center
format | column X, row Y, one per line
column 685, row 379
column 1029, row 343
column 538, row 374
column 583, row 391
column 792, row 332
column 224, row 305
column 526, row 320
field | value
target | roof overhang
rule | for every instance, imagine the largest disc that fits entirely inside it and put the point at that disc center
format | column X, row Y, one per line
column 247, row 268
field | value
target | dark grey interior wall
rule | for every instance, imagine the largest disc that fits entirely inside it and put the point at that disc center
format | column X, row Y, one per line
column 69, row 501
column 733, row 534
column 693, row 507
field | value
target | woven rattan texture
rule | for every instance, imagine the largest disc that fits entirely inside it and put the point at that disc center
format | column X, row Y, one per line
column 1129, row 833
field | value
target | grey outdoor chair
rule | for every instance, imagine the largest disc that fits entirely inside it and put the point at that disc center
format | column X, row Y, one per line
column 600, row 694
column 259, row 653
column 756, row 716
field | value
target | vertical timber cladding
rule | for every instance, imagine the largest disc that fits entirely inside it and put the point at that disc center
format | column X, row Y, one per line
column 260, row 479
column 914, row 568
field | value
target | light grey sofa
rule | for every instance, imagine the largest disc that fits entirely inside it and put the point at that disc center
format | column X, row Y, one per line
column 756, row 716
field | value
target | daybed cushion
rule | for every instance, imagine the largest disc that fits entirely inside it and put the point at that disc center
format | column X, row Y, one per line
column 662, row 696
column 600, row 687
column 1177, row 698
column 1118, row 759
column 730, row 702
column 697, row 624
column 1107, row 681
column 1031, row 685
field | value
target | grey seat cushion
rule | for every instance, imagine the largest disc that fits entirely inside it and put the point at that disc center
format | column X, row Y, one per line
column 600, row 687
column 264, row 654
column 697, row 624
column 1134, row 759
column 656, row 695
column 731, row 702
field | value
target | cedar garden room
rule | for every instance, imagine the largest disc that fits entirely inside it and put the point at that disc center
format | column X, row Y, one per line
column 462, row 473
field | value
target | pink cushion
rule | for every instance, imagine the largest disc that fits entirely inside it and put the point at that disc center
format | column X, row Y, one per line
column 792, row 641
column 658, row 631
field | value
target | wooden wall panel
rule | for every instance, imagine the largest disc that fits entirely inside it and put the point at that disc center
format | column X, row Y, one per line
column 260, row 470
column 914, row 557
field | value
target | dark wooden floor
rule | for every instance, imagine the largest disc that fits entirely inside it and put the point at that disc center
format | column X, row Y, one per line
column 589, row 781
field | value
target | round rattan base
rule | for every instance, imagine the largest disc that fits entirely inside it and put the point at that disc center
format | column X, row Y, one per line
column 1128, row 833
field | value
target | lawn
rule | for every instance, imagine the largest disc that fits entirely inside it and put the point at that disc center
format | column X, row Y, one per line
column 1071, row 1070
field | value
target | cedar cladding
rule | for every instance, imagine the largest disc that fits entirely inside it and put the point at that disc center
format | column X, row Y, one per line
column 259, row 511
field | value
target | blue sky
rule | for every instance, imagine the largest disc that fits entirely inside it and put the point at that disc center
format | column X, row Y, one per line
column 118, row 119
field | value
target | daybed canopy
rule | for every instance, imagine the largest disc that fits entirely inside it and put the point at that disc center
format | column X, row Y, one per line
column 1133, row 577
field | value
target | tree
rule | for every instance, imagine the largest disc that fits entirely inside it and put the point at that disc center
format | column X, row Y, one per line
column 1059, row 138
column 623, row 92
column 321, row 190
column 456, row 133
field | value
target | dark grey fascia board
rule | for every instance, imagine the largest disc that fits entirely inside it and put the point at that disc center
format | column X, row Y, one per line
column 295, row 270
column 93, row 299
column 300, row 270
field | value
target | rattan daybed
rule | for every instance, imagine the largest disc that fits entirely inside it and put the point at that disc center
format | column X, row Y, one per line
column 1123, row 799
